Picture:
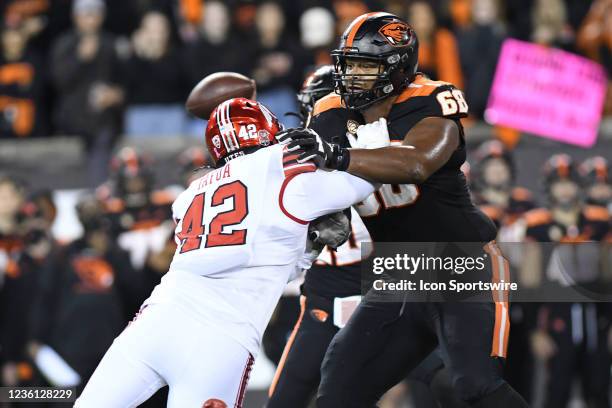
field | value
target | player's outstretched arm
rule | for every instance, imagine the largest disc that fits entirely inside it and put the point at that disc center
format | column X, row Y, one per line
column 426, row 147
column 310, row 195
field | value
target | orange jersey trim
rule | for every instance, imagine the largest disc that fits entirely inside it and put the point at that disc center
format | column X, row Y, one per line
column 330, row 101
column 538, row 216
column 283, row 359
column 421, row 86
column 596, row 213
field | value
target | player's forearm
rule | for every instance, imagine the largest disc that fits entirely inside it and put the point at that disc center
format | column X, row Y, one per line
column 388, row 165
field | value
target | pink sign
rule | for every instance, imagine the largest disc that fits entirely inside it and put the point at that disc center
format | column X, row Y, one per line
column 547, row 92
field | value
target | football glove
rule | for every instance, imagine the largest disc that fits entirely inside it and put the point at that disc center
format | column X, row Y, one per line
column 311, row 147
column 371, row 136
column 332, row 230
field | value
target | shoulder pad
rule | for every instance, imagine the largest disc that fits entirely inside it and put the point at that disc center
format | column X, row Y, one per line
column 330, row 101
column 434, row 98
column 537, row 217
column 421, row 86
column 596, row 213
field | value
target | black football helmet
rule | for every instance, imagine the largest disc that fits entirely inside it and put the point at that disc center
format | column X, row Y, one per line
column 561, row 167
column 385, row 39
column 317, row 85
column 492, row 149
column 595, row 170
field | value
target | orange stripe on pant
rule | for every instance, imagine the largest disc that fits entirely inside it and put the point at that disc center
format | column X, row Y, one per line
column 501, row 330
column 281, row 363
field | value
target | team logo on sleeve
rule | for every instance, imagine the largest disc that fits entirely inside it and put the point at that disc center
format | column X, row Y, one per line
column 264, row 137
column 396, row 33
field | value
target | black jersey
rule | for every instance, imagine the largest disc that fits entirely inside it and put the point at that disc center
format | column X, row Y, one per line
column 440, row 209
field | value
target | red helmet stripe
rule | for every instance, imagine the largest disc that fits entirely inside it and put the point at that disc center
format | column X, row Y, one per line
column 230, row 127
column 220, row 125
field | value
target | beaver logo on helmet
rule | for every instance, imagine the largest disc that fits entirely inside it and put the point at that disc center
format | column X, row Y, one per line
column 396, row 57
column 397, row 34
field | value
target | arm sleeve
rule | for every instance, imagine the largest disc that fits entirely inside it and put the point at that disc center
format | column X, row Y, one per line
column 311, row 195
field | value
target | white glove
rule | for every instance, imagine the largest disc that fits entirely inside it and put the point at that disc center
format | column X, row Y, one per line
column 371, row 136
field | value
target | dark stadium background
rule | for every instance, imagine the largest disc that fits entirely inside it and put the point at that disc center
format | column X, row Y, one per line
column 155, row 51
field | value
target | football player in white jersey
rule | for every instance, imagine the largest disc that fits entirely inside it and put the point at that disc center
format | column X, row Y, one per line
column 241, row 233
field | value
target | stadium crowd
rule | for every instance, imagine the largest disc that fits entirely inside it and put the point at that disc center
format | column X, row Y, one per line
column 100, row 70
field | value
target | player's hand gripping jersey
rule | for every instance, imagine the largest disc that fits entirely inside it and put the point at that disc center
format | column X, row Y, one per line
column 241, row 235
column 440, row 209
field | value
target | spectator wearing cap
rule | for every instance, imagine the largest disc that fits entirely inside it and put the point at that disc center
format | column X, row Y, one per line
column 84, row 72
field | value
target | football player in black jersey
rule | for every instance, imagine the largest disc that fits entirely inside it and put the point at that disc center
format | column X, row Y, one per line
column 334, row 278
column 424, row 199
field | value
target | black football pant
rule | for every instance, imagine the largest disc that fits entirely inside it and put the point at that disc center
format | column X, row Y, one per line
column 384, row 341
column 299, row 371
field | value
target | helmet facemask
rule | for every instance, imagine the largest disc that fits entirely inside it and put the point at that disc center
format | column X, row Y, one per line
column 390, row 80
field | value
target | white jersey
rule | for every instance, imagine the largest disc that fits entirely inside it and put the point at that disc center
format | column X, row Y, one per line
column 241, row 233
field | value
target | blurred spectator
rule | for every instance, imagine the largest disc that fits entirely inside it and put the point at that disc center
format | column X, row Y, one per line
column 141, row 219
column 280, row 63
column 318, row 36
column 570, row 337
column 80, row 299
column 27, row 14
column 438, row 50
column 216, row 47
column 154, row 80
column 83, row 67
column 21, row 86
column 595, row 172
column 193, row 163
column 346, row 11
column 20, row 290
column 595, row 40
column 479, row 40
column 550, row 26
column 11, row 199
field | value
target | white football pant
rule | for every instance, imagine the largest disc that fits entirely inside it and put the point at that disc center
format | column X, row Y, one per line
column 165, row 345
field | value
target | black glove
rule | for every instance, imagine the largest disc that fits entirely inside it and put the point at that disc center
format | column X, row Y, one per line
column 311, row 146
